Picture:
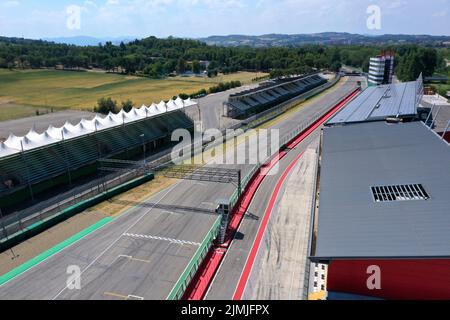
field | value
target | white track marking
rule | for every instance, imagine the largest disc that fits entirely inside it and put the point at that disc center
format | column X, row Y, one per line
column 176, row 241
column 118, row 238
column 76, row 242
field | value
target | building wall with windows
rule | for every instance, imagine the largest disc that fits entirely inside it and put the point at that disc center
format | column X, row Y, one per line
column 381, row 69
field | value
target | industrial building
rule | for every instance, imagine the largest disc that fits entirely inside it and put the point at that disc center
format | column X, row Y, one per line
column 381, row 102
column 382, row 206
column 269, row 94
column 381, row 69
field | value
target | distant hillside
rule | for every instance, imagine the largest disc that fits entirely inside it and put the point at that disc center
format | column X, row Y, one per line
column 336, row 38
column 88, row 41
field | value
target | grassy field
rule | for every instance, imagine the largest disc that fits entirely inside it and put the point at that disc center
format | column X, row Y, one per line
column 22, row 92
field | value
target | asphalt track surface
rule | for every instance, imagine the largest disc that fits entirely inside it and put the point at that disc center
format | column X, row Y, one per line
column 22, row 126
column 227, row 278
column 142, row 253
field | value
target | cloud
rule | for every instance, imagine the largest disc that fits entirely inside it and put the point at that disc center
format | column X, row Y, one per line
column 440, row 14
column 396, row 4
column 10, row 3
column 89, row 3
column 199, row 18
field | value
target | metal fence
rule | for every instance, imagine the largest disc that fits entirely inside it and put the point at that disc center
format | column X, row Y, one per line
column 189, row 272
column 20, row 220
column 182, row 284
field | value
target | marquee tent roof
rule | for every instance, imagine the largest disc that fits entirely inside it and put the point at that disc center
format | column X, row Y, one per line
column 33, row 139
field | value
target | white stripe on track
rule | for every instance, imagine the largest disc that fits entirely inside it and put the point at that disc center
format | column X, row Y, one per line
column 177, row 241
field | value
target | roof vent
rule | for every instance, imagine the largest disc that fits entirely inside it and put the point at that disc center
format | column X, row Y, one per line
column 405, row 192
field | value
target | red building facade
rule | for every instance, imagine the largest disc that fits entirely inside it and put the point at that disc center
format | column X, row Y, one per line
column 399, row 279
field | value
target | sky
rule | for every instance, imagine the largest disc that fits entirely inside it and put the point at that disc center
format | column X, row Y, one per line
column 200, row 18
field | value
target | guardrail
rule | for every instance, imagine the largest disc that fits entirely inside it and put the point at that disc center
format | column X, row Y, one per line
column 20, row 220
column 283, row 142
column 43, row 222
column 201, row 284
column 273, row 112
column 190, row 271
column 192, row 267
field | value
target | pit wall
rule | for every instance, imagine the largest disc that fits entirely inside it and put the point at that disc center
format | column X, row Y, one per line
column 194, row 282
column 49, row 222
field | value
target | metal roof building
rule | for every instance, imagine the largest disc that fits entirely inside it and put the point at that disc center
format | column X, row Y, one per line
column 384, row 193
column 381, row 102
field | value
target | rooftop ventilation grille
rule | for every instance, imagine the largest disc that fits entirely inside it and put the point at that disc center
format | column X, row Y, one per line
column 405, row 192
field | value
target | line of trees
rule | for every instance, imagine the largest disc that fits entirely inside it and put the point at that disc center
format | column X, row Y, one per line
column 222, row 86
column 157, row 58
column 107, row 105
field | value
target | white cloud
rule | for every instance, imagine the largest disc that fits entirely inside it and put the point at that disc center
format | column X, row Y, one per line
column 440, row 14
column 198, row 18
column 11, row 3
column 89, row 3
column 396, row 4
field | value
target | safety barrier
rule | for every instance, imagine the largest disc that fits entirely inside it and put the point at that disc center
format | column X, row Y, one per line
column 253, row 179
column 182, row 284
column 43, row 224
column 287, row 105
column 192, row 267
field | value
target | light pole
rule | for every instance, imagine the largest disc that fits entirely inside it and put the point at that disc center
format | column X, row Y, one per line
column 143, row 146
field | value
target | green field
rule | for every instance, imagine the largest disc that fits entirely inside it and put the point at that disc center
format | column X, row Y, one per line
column 22, row 92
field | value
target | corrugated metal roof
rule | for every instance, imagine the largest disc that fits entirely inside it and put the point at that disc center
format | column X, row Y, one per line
column 379, row 103
column 351, row 224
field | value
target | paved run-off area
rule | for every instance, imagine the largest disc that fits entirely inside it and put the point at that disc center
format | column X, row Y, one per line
column 117, row 265
column 279, row 269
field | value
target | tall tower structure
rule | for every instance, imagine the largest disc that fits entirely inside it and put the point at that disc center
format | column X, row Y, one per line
column 381, row 68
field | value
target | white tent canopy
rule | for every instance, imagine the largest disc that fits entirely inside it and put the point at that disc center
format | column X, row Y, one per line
column 33, row 139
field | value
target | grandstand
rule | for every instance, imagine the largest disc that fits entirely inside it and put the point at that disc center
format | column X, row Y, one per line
column 269, row 94
column 34, row 163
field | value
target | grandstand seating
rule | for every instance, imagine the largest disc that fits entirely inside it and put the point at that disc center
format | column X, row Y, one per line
column 255, row 100
column 37, row 165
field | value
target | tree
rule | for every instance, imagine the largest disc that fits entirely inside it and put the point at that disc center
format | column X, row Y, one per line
column 416, row 61
column 108, row 64
column 212, row 73
column 196, row 67
column 335, row 66
column 127, row 105
column 183, row 96
column 106, row 105
column 181, row 66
